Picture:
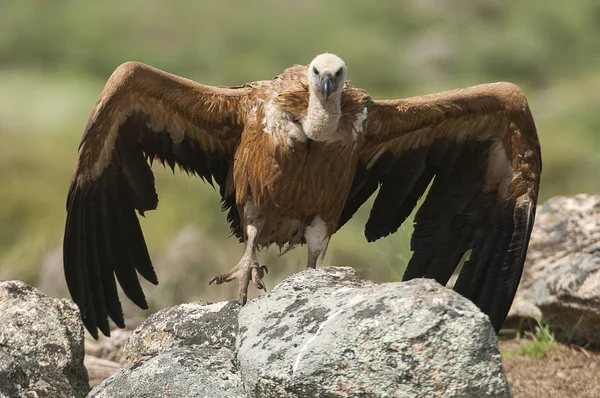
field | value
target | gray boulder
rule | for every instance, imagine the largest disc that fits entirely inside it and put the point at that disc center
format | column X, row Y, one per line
column 319, row 333
column 323, row 333
column 41, row 345
column 561, row 279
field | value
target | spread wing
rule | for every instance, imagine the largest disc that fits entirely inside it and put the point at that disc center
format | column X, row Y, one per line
column 477, row 150
column 142, row 114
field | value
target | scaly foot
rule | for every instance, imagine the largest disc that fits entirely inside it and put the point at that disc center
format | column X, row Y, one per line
column 247, row 269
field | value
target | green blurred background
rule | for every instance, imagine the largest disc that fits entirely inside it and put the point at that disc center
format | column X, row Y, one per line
column 55, row 57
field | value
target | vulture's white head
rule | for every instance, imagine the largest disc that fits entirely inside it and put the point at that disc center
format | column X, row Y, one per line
column 326, row 76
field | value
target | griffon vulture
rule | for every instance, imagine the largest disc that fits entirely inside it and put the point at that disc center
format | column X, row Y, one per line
column 294, row 158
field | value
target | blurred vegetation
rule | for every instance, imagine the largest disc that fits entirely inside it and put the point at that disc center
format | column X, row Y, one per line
column 55, row 57
column 537, row 344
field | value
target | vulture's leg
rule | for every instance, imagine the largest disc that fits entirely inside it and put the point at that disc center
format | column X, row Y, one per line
column 248, row 268
column 317, row 240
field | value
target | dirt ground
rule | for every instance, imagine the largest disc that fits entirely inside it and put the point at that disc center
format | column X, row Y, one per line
column 568, row 372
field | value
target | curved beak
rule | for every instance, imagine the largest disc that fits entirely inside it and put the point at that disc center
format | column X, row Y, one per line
column 326, row 85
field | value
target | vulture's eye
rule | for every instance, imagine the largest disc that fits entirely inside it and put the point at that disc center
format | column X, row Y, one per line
column 338, row 73
column 315, row 71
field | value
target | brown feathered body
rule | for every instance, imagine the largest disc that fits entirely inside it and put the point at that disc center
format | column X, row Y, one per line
column 293, row 181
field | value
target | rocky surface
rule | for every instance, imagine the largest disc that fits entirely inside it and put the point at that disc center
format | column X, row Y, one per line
column 41, row 345
column 319, row 333
column 326, row 333
column 561, row 280
column 193, row 324
column 191, row 347
column 183, row 372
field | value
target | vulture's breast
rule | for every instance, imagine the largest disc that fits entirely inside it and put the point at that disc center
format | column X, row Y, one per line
column 291, row 181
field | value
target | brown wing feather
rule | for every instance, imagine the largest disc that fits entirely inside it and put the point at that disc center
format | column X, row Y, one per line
column 479, row 146
column 211, row 116
column 143, row 113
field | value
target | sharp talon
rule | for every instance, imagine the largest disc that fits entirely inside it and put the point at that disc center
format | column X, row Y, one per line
column 264, row 268
column 260, row 285
column 218, row 279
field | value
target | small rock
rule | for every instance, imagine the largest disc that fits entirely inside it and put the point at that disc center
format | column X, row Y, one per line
column 561, row 279
column 41, row 344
